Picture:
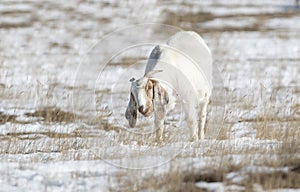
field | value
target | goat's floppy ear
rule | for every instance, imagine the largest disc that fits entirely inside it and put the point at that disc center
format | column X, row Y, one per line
column 160, row 94
column 131, row 111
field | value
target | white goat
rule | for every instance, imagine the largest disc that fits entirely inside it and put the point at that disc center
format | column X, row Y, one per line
column 185, row 63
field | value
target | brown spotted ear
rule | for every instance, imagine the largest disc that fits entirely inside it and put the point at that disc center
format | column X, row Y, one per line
column 131, row 111
column 164, row 95
column 160, row 93
column 161, row 98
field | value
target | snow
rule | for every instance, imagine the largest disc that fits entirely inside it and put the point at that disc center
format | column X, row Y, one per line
column 284, row 190
column 42, row 46
column 212, row 187
column 57, row 176
column 37, row 127
column 221, row 23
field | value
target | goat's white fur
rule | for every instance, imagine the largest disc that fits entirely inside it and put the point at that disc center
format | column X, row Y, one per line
column 184, row 62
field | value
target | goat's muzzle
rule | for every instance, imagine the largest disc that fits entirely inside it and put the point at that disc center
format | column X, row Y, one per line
column 145, row 112
column 141, row 109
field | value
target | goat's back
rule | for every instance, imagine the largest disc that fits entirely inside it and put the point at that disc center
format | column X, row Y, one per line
column 186, row 63
column 191, row 44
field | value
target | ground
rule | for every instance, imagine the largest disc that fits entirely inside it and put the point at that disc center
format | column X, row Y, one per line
column 61, row 111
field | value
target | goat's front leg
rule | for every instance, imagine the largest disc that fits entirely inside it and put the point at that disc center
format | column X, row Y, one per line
column 191, row 117
column 159, row 126
column 193, row 125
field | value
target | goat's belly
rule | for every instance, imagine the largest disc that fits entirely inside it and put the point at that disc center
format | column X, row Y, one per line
column 191, row 88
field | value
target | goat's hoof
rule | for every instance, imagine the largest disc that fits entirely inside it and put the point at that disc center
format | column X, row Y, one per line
column 159, row 141
column 202, row 136
column 194, row 138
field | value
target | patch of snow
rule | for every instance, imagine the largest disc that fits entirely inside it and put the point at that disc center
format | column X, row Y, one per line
column 37, row 127
column 15, row 8
column 234, row 188
column 210, row 187
column 284, row 190
column 240, row 176
column 240, row 130
column 284, row 23
column 235, row 177
column 58, row 176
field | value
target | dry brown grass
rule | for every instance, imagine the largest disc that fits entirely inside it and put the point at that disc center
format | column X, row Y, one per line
column 184, row 179
column 52, row 115
column 127, row 61
column 219, row 158
column 181, row 20
column 4, row 118
column 275, row 167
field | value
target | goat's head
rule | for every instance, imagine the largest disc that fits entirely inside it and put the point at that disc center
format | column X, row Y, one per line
column 145, row 94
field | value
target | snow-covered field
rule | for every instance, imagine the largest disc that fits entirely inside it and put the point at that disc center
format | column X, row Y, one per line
column 62, row 125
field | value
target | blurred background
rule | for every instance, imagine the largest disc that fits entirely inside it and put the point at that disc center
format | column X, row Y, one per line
column 255, row 45
column 42, row 42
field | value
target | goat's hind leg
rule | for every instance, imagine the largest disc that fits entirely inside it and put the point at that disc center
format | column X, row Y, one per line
column 202, row 117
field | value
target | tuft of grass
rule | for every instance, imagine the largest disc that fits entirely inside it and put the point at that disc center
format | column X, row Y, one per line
column 52, row 115
column 4, row 118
